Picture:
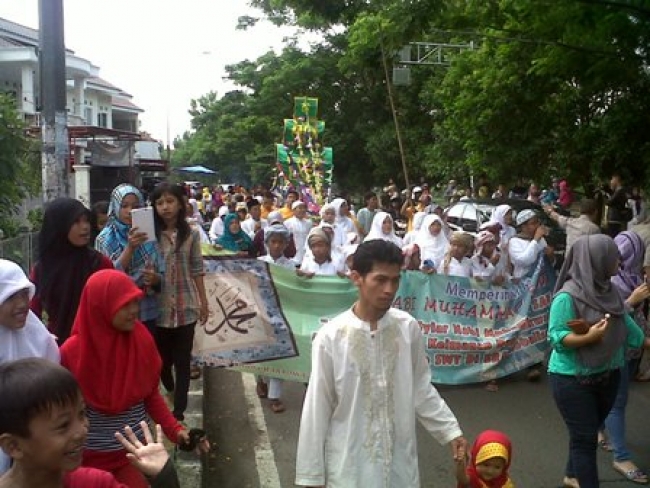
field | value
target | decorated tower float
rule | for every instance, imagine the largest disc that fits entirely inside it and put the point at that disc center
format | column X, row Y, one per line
column 303, row 163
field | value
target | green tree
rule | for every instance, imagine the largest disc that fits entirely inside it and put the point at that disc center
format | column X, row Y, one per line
column 19, row 164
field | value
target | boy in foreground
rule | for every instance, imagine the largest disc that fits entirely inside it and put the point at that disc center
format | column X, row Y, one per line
column 370, row 381
column 43, row 428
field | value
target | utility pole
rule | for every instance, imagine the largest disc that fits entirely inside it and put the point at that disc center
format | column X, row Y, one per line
column 54, row 128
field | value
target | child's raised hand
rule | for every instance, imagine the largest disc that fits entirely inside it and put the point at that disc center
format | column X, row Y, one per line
column 150, row 457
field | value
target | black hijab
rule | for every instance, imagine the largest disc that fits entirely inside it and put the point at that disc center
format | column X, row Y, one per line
column 586, row 276
column 62, row 269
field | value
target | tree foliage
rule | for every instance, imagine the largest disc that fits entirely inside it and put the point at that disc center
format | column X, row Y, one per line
column 551, row 87
column 19, row 164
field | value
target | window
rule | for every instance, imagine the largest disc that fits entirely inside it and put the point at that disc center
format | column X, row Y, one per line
column 102, row 120
column 88, row 115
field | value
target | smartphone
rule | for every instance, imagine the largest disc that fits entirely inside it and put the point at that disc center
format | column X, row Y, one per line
column 142, row 218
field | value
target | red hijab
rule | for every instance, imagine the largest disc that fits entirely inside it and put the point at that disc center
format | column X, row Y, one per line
column 115, row 369
column 488, row 445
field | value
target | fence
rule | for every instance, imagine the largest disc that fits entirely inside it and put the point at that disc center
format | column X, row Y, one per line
column 21, row 250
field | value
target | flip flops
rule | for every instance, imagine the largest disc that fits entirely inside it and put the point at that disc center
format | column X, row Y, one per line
column 635, row 475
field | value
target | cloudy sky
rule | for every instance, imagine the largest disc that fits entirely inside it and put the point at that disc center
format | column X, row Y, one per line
column 163, row 52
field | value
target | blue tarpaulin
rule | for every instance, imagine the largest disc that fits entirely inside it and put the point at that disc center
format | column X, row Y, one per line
column 196, row 169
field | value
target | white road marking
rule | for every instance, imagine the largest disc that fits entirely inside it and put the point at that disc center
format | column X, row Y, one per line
column 264, row 457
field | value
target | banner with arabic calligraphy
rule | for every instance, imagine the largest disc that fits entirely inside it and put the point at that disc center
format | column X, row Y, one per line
column 473, row 332
column 246, row 323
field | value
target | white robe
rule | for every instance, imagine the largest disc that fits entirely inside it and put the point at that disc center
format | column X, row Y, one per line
column 299, row 229
column 524, row 254
column 365, row 393
column 456, row 267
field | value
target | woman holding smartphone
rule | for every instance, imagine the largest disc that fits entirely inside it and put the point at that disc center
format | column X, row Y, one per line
column 130, row 251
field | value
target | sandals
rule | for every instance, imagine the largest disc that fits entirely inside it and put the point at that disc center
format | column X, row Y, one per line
column 195, row 373
column 635, row 475
column 534, row 375
column 492, row 386
column 277, row 406
column 603, row 443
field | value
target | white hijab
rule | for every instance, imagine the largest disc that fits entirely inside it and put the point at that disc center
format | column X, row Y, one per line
column 432, row 247
column 499, row 217
column 342, row 220
column 32, row 340
column 376, row 231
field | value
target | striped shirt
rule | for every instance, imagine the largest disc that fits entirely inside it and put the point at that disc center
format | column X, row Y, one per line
column 179, row 298
column 101, row 434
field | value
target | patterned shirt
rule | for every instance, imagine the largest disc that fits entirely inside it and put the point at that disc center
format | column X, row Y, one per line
column 179, row 298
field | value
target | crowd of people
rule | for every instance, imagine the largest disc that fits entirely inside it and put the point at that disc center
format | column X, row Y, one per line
column 121, row 309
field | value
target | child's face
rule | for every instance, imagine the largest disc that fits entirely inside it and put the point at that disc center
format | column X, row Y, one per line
column 276, row 245
column 488, row 249
column 57, row 438
column 329, row 216
column 124, row 319
column 457, row 250
column 387, row 225
column 491, row 468
column 168, row 206
column 300, row 211
column 14, row 310
column 129, row 202
column 321, row 250
column 435, row 228
column 79, row 233
column 234, row 226
column 102, row 218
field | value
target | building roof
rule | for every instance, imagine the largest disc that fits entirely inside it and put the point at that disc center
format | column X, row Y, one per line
column 19, row 35
column 125, row 103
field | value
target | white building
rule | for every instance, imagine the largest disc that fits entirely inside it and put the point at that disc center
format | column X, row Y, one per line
column 100, row 115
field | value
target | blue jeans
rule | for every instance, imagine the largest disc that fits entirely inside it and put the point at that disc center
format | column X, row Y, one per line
column 615, row 421
column 584, row 403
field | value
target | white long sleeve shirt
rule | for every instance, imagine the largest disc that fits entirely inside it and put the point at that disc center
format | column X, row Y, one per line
column 524, row 254
column 365, row 393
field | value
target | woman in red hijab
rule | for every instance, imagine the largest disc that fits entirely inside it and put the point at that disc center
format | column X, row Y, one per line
column 114, row 358
column 489, row 463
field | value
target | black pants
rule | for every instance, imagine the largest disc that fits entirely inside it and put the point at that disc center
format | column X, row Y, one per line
column 175, row 348
column 584, row 403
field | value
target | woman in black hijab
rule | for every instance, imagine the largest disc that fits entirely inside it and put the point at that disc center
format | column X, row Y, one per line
column 64, row 264
column 589, row 330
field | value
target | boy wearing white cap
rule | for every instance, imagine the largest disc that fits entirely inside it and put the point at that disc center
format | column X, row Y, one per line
column 528, row 244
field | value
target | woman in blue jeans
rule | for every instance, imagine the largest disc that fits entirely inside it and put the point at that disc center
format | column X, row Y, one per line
column 630, row 285
column 589, row 330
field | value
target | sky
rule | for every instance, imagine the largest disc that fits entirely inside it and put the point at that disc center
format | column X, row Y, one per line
column 162, row 52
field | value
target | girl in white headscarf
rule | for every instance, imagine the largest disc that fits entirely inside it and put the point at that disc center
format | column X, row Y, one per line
column 344, row 224
column 411, row 235
column 432, row 243
column 328, row 213
column 502, row 215
column 22, row 334
column 382, row 228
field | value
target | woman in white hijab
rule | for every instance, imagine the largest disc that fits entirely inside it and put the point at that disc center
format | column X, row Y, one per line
column 382, row 228
column 503, row 215
column 344, row 224
column 432, row 242
column 22, row 334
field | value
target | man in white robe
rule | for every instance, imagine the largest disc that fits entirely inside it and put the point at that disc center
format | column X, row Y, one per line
column 370, row 381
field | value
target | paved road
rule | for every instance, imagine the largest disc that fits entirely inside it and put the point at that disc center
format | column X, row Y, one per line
column 257, row 448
